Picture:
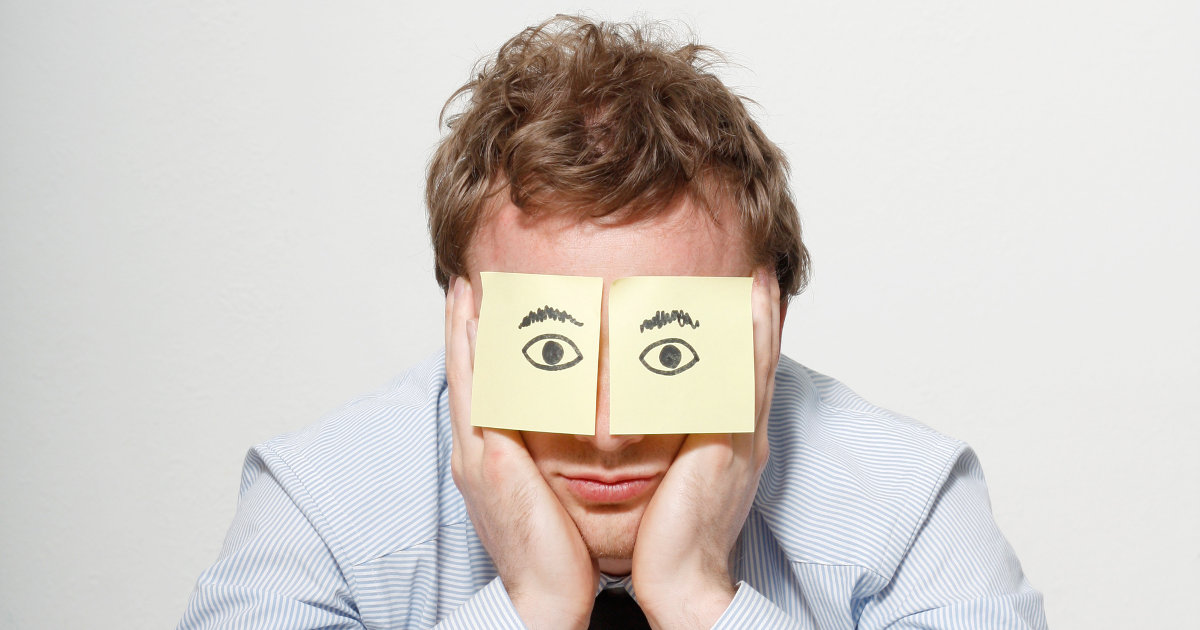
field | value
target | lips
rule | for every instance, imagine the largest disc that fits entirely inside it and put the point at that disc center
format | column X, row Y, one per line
column 609, row 490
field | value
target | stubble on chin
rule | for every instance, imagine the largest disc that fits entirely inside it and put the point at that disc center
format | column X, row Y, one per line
column 608, row 534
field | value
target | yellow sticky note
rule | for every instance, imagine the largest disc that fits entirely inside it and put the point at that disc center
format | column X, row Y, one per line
column 681, row 355
column 536, row 353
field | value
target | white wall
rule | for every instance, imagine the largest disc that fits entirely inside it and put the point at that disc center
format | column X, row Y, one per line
column 213, row 233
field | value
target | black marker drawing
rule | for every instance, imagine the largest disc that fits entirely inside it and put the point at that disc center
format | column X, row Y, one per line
column 547, row 312
column 669, row 357
column 662, row 318
column 551, row 352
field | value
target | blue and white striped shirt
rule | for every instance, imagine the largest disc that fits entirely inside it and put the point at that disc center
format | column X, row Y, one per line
column 863, row 519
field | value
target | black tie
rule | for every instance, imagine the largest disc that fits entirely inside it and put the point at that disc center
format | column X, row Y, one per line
column 615, row 610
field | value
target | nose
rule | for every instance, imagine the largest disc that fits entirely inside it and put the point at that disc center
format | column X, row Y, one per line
column 603, row 440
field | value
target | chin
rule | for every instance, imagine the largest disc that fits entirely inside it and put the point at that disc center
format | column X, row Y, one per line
column 608, row 535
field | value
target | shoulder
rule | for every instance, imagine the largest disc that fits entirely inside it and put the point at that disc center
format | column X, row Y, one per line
column 847, row 483
column 373, row 476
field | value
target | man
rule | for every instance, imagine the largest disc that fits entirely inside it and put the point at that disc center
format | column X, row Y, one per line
column 596, row 150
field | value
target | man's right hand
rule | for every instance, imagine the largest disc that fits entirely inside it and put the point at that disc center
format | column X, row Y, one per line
column 536, row 547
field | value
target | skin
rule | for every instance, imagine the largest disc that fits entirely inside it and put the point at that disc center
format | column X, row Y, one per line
column 675, row 538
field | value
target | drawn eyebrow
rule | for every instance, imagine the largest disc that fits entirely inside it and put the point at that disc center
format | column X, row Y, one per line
column 662, row 318
column 547, row 312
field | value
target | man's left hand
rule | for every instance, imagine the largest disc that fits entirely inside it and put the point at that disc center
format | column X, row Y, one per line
column 681, row 558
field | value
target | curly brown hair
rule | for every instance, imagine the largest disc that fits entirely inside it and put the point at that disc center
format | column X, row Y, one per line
column 605, row 119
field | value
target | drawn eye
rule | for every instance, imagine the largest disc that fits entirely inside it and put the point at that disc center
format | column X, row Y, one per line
column 667, row 356
column 550, row 352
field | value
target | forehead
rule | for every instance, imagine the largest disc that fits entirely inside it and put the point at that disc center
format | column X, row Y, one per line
column 683, row 240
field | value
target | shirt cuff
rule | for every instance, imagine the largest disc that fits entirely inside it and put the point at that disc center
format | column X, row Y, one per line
column 749, row 609
column 490, row 607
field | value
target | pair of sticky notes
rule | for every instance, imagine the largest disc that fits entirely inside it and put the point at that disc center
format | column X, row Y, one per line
column 680, row 354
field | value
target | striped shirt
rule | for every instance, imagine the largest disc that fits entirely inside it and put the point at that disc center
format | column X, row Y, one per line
column 863, row 519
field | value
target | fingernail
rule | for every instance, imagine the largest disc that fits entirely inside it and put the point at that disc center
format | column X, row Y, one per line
column 760, row 277
column 453, row 281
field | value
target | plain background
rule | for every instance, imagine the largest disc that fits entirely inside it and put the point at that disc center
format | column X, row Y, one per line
column 213, row 232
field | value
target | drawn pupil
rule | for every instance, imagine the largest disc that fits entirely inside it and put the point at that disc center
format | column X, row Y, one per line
column 552, row 352
column 549, row 352
column 669, row 360
column 669, row 356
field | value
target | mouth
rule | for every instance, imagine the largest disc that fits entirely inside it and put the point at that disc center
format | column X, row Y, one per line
column 609, row 490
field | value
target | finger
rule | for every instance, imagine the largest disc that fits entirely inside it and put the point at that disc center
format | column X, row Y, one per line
column 456, row 457
column 764, row 336
column 777, row 330
column 505, row 449
column 773, row 301
column 472, row 329
column 716, row 450
column 765, row 304
column 776, row 305
column 449, row 313
column 459, row 360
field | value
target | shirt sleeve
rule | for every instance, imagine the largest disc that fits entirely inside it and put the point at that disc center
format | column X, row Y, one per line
column 749, row 609
column 275, row 570
column 490, row 607
column 958, row 570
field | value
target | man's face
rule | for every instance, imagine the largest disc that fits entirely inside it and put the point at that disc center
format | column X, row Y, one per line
column 605, row 481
